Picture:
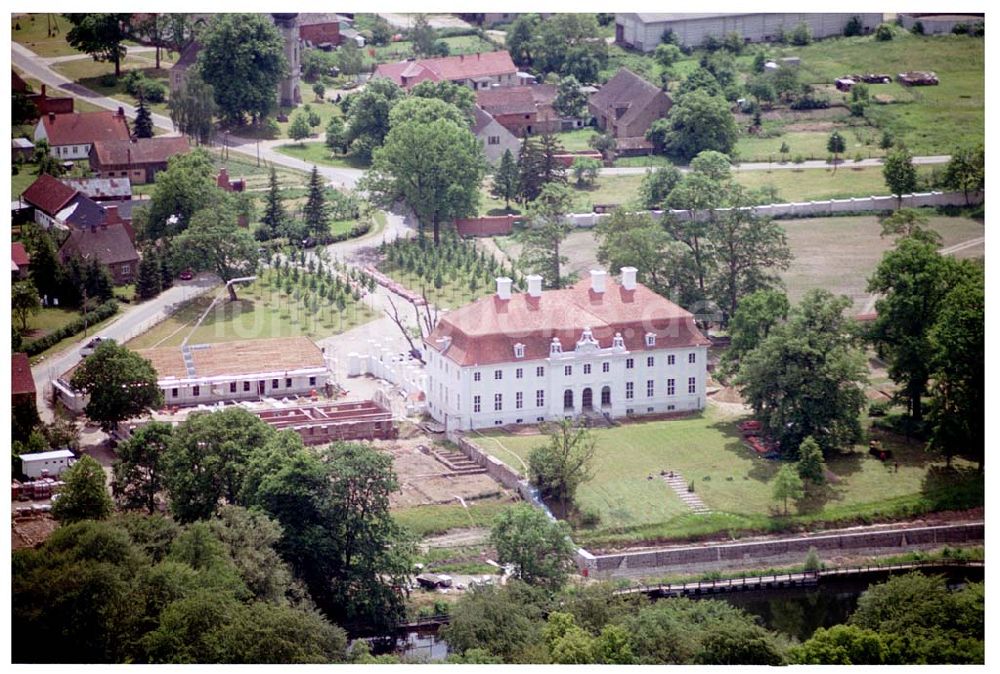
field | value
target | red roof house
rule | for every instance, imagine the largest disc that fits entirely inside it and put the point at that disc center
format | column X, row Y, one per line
column 20, row 262
column 48, row 195
column 477, row 71
column 22, row 384
column 110, row 244
column 139, row 160
column 70, row 136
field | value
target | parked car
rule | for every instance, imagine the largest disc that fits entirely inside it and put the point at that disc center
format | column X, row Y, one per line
column 90, row 346
column 186, row 275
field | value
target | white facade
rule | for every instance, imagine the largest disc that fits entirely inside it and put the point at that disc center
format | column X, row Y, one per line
column 54, row 463
column 643, row 31
column 578, row 379
column 63, row 152
column 208, row 390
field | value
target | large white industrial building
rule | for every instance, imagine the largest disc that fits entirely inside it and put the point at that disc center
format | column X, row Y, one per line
column 643, row 31
column 602, row 346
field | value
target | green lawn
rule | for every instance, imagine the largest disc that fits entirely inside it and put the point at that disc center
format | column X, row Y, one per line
column 32, row 30
column 819, row 184
column 22, row 179
column 317, row 153
column 930, row 120
column 576, row 140
column 262, row 311
column 89, row 73
column 47, row 320
column 729, row 478
column 809, row 145
column 429, row 520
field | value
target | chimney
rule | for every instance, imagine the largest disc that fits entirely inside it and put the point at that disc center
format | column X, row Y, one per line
column 52, row 116
column 111, row 213
column 534, row 285
column 43, row 91
column 628, row 278
column 503, row 288
column 597, row 280
column 121, row 112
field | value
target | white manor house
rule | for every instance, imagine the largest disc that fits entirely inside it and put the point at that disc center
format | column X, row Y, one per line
column 602, row 346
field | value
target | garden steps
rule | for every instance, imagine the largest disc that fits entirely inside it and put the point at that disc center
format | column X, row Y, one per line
column 455, row 461
column 690, row 499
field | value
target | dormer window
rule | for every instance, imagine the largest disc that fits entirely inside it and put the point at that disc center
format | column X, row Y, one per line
column 519, row 351
column 618, row 342
column 650, row 339
column 556, row 346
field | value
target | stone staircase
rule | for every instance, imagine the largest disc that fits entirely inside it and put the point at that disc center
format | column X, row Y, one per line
column 456, row 462
column 690, row 499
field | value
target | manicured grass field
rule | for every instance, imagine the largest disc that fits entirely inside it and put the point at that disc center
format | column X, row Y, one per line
column 634, row 502
column 262, row 311
column 820, row 184
column 49, row 319
column 809, row 145
column 316, row 152
column 576, row 140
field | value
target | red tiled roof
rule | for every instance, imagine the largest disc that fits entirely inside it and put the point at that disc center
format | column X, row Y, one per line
column 142, row 151
column 487, row 330
column 80, row 128
column 18, row 255
column 506, row 100
column 21, row 381
column 48, row 194
column 462, row 67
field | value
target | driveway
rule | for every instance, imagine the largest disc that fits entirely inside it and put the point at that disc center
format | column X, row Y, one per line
column 134, row 320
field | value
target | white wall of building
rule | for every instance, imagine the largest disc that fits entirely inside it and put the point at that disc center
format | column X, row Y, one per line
column 206, row 390
column 452, row 390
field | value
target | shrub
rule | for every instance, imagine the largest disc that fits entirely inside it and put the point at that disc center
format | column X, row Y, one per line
column 106, row 310
column 879, row 408
column 108, row 80
column 853, row 26
column 883, row 33
column 812, row 562
column 154, row 92
column 589, row 518
column 960, row 29
column 918, row 28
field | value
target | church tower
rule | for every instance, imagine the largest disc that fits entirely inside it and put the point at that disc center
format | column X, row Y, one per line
column 288, row 91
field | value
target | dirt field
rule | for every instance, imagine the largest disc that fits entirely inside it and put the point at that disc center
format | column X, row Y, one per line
column 29, row 532
column 424, row 480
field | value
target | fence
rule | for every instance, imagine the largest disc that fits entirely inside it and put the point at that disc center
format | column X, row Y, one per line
column 490, row 225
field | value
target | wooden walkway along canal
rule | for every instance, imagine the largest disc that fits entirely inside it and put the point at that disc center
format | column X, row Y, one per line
column 799, row 579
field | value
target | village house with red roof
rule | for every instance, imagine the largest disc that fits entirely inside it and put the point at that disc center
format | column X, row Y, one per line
column 70, row 136
column 476, row 71
column 22, row 384
column 20, row 261
column 110, row 244
column 604, row 346
column 138, row 160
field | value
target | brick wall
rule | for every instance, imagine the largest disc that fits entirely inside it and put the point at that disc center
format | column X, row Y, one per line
column 490, row 225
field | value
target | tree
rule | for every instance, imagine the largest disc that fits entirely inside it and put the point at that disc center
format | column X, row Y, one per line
column 138, row 472
column 244, row 79
column 656, row 185
column 274, row 219
column 320, row 91
column 47, row 163
column 84, row 495
column 958, row 341
column 538, row 165
column 841, row 645
column 350, row 58
column 462, row 97
column 585, row 171
column 786, row 485
column 368, row 116
column 424, row 110
column 836, row 145
column 697, row 122
column 747, row 251
column 24, row 302
column 636, row 240
column 520, row 37
column 316, row 213
column 784, row 150
column 187, row 186
column 542, row 240
column 193, row 109
column 666, row 55
column 811, row 466
column 558, row 467
column 568, row 643
column 605, row 143
column 299, row 129
column 120, row 384
column 806, row 377
column 143, row 121
column 570, row 101
column 900, row 173
column 422, row 36
column 149, row 277
column 537, row 547
column 47, row 273
column 913, row 280
column 336, row 135
column 215, row 242
column 966, row 170
column 750, row 324
column 503, row 621
column 909, row 222
column 100, row 35
column 206, row 460
column 436, row 167
column 504, row 184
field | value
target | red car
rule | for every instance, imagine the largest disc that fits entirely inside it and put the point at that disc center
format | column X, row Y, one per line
column 185, row 275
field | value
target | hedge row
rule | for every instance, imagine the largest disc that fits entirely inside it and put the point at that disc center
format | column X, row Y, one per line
column 104, row 311
column 359, row 229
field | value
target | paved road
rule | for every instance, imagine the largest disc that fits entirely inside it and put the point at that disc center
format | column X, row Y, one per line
column 129, row 323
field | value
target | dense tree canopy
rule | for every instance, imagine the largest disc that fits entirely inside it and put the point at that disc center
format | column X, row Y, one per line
column 120, row 384
column 242, row 58
column 187, row 186
column 368, row 115
column 85, row 493
column 537, row 547
column 214, row 242
column 100, row 35
column 698, row 121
